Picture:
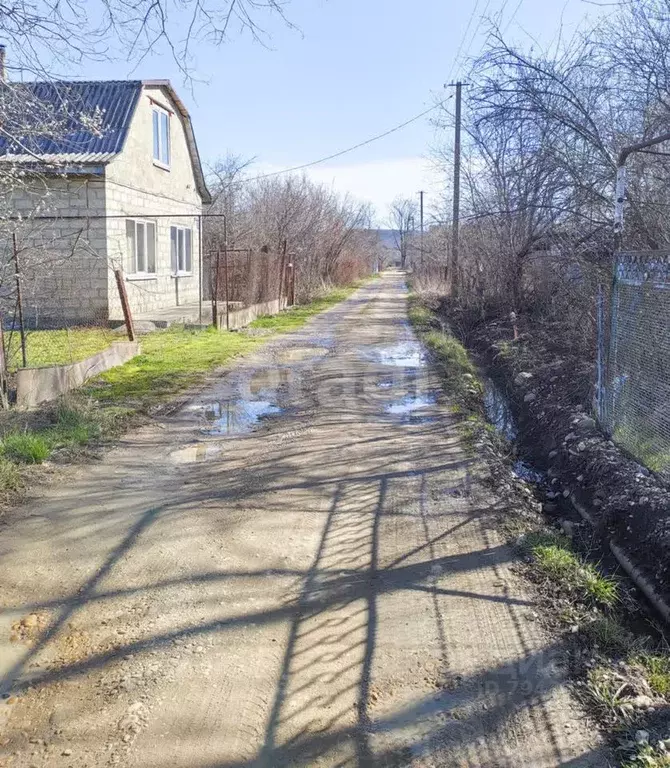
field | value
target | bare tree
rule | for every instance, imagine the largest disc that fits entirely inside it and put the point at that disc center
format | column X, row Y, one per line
column 403, row 221
column 48, row 37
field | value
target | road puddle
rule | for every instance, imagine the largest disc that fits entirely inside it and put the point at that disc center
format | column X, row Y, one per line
column 302, row 354
column 236, row 417
column 406, row 354
column 195, row 452
column 411, row 408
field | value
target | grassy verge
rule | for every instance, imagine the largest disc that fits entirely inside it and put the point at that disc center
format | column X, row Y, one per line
column 171, row 362
column 449, row 356
column 622, row 672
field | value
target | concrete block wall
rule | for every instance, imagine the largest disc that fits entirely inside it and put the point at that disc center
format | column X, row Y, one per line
column 158, row 290
column 63, row 262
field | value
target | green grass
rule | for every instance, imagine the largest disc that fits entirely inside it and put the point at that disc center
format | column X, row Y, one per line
column 294, row 317
column 10, row 476
column 58, row 347
column 170, row 362
column 25, row 447
column 552, row 554
column 450, row 356
column 610, row 636
column 70, row 425
column 656, row 671
column 647, row 756
column 646, row 449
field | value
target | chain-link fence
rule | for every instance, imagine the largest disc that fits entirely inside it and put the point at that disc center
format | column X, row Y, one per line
column 633, row 390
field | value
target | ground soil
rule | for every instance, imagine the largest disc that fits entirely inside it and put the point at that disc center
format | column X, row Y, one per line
column 330, row 589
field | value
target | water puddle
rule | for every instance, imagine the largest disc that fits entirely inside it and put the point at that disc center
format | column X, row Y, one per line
column 410, row 409
column 406, row 354
column 195, row 452
column 302, row 354
column 410, row 403
column 525, row 472
column 385, row 384
column 236, row 417
column 498, row 411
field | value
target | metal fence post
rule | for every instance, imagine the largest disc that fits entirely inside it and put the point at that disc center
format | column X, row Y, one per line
column 19, row 299
column 225, row 267
column 4, row 396
column 282, row 267
column 215, row 292
column 125, row 304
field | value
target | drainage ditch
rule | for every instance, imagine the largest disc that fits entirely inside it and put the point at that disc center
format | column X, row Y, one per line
column 561, row 504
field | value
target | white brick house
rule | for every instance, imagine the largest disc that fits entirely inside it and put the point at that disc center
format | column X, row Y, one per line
column 127, row 194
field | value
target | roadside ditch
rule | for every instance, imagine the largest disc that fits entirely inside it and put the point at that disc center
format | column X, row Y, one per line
column 566, row 493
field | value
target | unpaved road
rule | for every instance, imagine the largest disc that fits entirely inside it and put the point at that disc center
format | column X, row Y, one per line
column 328, row 589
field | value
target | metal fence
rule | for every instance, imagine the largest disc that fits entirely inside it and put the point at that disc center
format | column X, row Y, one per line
column 633, row 388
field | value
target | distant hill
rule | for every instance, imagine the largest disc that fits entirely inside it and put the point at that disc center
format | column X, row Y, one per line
column 388, row 238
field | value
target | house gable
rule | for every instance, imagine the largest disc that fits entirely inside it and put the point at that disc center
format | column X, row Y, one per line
column 181, row 179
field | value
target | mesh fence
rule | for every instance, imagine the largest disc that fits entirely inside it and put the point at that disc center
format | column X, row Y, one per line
column 634, row 371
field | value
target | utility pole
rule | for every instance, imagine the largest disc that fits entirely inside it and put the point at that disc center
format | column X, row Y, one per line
column 421, row 225
column 457, row 191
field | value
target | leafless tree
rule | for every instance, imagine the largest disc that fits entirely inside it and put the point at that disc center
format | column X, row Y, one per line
column 48, row 37
column 403, row 221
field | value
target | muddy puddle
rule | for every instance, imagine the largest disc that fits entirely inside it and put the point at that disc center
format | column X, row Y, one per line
column 411, row 403
column 190, row 454
column 302, row 354
column 406, row 354
column 411, row 409
column 236, row 417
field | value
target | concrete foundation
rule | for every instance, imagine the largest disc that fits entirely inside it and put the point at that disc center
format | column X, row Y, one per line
column 38, row 385
column 240, row 318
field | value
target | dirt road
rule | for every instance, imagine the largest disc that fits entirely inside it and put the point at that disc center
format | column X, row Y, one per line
column 322, row 586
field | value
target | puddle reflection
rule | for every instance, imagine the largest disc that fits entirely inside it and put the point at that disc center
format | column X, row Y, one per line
column 236, row 417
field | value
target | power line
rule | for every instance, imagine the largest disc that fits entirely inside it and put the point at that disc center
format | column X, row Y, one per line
column 344, row 151
column 465, row 34
column 512, row 17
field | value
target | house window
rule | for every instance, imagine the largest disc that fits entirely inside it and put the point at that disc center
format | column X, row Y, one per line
column 180, row 250
column 161, row 128
column 141, row 240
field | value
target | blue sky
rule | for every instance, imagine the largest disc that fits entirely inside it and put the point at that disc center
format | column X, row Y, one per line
column 353, row 69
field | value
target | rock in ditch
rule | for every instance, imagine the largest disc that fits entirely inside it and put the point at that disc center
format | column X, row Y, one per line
column 522, row 378
column 528, row 398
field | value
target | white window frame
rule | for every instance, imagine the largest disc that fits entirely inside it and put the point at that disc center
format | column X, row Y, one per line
column 158, row 140
column 141, row 232
column 181, row 250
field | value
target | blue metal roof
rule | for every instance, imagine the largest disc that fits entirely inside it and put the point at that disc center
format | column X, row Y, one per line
column 86, row 121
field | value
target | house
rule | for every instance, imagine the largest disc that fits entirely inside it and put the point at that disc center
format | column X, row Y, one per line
column 115, row 183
